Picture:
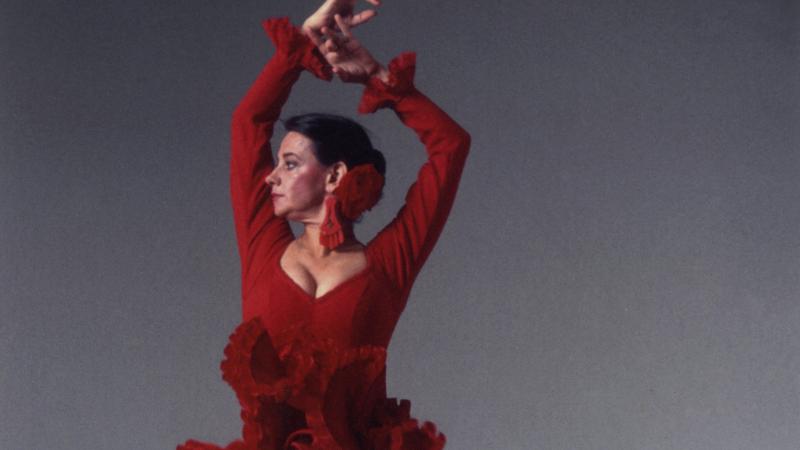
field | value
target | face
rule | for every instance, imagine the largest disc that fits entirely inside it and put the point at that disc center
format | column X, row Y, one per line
column 298, row 180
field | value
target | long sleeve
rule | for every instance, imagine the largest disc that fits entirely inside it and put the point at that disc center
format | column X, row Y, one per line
column 258, row 230
column 405, row 243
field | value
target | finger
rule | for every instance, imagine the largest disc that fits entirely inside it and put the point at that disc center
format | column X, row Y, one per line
column 328, row 37
column 328, row 32
column 343, row 75
column 337, row 39
column 339, row 73
column 314, row 36
column 323, row 50
column 332, row 51
column 343, row 26
column 362, row 17
column 330, row 46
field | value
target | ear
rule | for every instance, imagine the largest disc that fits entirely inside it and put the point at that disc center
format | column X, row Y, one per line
column 336, row 172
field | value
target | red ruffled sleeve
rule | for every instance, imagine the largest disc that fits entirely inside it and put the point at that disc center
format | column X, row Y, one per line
column 404, row 244
column 378, row 94
column 295, row 46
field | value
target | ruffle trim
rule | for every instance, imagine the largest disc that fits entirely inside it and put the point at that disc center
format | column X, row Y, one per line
column 395, row 429
column 192, row 444
column 296, row 47
column 378, row 94
column 295, row 373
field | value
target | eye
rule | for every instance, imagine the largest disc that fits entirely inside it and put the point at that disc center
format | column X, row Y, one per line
column 290, row 165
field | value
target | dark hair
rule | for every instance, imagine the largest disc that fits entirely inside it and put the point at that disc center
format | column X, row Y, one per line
column 337, row 138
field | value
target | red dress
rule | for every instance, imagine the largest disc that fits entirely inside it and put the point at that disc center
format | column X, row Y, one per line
column 309, row 372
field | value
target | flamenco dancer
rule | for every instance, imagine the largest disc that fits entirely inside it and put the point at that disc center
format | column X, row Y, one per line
column 307, row 362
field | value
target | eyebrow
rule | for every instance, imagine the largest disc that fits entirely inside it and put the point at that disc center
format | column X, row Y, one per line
column 290, row 154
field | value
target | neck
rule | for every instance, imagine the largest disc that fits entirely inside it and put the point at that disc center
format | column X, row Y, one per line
column 309, row 240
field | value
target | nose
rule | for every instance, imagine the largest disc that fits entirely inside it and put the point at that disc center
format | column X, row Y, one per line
column 271, row 179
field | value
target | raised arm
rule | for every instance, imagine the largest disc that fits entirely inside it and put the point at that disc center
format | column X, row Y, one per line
column 405, row 243
column 258, row 230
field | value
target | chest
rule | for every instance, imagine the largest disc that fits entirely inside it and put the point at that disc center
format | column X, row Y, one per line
column 361, row 309
column 317, row 278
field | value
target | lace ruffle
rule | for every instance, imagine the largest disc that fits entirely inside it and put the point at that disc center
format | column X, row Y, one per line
column 378, row 94
column 295, row 46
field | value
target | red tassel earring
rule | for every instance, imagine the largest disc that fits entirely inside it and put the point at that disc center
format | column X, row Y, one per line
column 330, row 233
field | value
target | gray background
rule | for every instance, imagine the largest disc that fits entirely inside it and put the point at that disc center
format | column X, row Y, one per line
column 621, row 268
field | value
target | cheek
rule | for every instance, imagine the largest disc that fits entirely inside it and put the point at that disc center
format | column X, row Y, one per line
column 306, row 186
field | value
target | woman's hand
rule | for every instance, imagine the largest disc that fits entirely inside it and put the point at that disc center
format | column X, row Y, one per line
column 324, row 16
column 349, row 59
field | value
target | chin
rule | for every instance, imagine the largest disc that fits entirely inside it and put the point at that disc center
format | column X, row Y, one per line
column 287, row 214
column 279, row 212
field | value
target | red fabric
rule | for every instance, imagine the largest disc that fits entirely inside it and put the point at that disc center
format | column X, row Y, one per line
column 310, row 372
column 359, row 190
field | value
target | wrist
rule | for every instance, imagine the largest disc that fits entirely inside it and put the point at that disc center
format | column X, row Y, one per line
column 380, row 72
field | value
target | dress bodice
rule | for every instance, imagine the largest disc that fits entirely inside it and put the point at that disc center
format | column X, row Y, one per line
column 362, row 310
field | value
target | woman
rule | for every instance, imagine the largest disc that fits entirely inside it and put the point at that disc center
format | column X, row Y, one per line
column 308, row 361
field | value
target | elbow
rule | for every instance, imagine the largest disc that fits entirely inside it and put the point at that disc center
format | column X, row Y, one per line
column 459, row 146
column 245, row 112
column 464, row 142
column 241, row 113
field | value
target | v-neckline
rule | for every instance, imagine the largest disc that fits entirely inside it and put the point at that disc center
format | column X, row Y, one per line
column 310, row 297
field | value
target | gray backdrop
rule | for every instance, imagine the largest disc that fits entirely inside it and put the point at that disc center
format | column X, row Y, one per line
column 621, row 268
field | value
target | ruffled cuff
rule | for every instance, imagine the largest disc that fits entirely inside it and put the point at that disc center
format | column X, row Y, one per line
column 296, row 47
column 378, row 94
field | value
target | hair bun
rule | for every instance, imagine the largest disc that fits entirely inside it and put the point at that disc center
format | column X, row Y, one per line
column 377, row 159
